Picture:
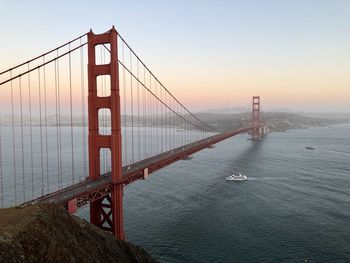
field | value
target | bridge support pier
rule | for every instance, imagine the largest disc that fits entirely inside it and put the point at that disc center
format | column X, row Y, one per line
column 106, row 212
column 263, row 131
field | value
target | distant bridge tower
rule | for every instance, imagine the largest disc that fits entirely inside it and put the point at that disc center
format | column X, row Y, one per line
column 106, row 211
column 256, row 118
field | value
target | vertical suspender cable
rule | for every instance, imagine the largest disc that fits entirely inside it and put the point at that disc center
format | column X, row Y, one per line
column 149, row 137
column 154, row 112
column 173, row 120
column 194, row 130
column 155, row 104
column 151, row 110
column 144, row 115
column 192, row 127
column 149, row 125
column 13, row 140
column 164, row 125
column 161, row 119
column 159, row 125
column 166, row 122
column 22, row 137
column 175, row 123
column 83, row 110
column 125, row 146
column 148, row 122
column 184, row 127
column 59, row 120
column 132, row 111
column 180, row 126
column 138, row 110
column 41, row 136
column 150, row 118
column 188, row 129
column 71, row 114
column 169, row 123
column 46, row 142
column 57, row 133
column 153, row 124
column 31, row 133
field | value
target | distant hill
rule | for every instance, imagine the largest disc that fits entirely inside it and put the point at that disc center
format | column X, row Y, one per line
column 227, row 110
column 277, row 121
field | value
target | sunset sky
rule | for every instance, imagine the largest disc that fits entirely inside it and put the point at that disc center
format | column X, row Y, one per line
column 210, row 54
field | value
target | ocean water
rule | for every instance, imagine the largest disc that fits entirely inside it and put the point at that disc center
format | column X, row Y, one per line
column 295, row 206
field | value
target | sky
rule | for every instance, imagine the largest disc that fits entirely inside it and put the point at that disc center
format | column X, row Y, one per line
column 209, row 54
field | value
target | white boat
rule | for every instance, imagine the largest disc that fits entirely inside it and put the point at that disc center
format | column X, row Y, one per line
column 310, row 147
column 236, row 177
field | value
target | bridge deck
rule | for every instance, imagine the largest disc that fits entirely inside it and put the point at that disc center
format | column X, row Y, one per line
column 91, row 190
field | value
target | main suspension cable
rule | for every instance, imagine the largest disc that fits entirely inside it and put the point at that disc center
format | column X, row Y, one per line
column 162, row 84
column 42, row 55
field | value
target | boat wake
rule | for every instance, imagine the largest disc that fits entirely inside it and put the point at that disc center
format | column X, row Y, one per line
column 266, row 178
column 334, row 151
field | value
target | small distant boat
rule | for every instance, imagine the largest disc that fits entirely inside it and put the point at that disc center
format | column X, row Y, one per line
column 310, row 147
column 236, row 177
column 187, row 158
column 180, row 130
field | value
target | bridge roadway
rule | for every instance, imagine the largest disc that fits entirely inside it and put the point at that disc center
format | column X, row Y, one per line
column 91, row 190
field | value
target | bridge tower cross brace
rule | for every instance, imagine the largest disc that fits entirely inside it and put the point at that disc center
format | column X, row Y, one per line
column 256, row 117
column 106, row 212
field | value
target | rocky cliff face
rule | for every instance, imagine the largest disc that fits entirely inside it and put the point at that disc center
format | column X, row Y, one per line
column 47, row 233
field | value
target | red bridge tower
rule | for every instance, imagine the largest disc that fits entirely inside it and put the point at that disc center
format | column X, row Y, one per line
column 105, row 212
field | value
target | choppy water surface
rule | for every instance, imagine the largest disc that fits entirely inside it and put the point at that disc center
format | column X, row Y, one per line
column 295, row 207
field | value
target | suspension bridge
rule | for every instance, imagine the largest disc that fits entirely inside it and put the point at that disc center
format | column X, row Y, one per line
column 80, row 122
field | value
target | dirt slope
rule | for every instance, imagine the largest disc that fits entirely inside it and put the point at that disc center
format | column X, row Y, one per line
column 47, row 233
